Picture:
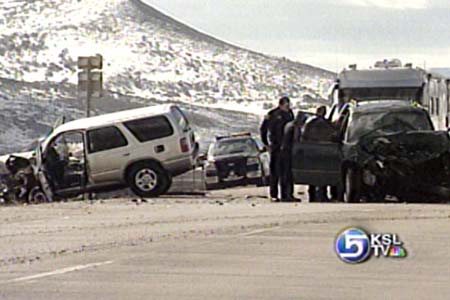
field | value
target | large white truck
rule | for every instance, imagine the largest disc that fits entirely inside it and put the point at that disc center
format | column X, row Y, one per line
column 390, row 80
column 379, row 142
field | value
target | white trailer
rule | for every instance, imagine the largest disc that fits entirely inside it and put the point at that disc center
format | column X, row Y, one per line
column 390, row 80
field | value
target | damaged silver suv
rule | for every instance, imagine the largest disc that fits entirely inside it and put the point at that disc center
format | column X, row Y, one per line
column 378, row 148
column 140, row 148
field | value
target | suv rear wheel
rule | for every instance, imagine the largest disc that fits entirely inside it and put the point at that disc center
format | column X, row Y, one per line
column 352, row 193
column 148, row 180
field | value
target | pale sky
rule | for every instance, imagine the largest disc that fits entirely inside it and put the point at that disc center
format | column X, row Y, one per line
column 326, row 33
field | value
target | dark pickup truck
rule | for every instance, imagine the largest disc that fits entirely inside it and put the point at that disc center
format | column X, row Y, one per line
column 379, row 148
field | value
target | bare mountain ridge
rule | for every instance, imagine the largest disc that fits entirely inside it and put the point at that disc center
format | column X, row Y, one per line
column 147, row 13
column 146, row 54
column 149, row 58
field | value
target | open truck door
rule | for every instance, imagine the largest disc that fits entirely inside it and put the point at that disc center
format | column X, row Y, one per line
column 317, row 156
column 41, row 174
column 317, row 163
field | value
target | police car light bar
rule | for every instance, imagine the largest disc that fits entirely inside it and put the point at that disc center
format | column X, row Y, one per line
column 241, row 134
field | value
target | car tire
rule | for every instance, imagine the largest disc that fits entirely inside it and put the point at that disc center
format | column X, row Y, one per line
column 37, row 195
column 261, row 182
column 340, row 195
column 264, row 181
column 148, row 180
column 352, row 186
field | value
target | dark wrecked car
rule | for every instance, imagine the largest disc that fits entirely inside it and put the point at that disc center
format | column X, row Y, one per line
column 378, row 148
column 237, row 159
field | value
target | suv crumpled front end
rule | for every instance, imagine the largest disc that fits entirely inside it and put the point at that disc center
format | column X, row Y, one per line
column 408, row 165
column 18, row 181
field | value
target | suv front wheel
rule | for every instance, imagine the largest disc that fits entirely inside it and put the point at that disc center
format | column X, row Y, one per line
column 148, row 180
column 352, row 185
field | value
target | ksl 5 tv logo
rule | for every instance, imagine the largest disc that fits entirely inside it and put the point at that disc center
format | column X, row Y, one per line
column 354, row 245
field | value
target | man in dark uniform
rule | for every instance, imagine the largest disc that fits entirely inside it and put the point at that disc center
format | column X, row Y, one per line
column 272, row 132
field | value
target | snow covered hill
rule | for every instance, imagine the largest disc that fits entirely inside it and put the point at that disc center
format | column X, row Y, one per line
column 146, row 54
column 148, row 58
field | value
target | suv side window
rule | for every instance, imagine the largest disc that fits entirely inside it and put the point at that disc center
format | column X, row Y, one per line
column 105, row 138
column 318, row 130
column 180, row 118
column 150, row 128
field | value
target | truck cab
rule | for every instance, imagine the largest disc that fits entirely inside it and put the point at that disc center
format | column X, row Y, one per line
column 340, row 159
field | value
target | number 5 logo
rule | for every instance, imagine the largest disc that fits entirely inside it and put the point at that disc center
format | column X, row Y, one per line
column 353, row 245
column 354, row 240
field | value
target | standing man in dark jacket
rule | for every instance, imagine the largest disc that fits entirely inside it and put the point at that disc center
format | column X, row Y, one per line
column 318, row 129
column 272, row 132
column 292, row 133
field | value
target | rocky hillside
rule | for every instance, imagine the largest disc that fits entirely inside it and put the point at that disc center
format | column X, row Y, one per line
column 146, row 53
column 148, row 58
column 33, row 109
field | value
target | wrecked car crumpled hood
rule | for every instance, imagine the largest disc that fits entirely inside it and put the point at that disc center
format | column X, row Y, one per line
column 416, row 162
column 415, row 146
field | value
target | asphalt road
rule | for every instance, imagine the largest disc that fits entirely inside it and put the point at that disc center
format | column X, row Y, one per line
column 229, row 245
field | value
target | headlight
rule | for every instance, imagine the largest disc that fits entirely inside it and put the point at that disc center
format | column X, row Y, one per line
column 252, row 161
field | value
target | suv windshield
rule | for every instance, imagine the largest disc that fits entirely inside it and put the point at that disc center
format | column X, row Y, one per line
column 376, row 123
column 31, row 146
column 233, row 146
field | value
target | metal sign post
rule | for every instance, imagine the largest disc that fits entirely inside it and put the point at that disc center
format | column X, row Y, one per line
column 90, row 82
